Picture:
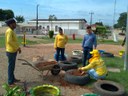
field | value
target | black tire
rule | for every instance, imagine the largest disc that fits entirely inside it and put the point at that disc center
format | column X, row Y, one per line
column 76, row 59
column 67, row 65
column 108, row 88
column 106, row 54
column 55, row 70
column 80, row 80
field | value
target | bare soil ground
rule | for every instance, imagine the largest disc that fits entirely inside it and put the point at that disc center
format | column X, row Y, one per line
column 34, row 78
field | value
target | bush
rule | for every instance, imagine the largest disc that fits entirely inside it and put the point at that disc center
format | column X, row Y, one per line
column 51, row 33
column 101, row 31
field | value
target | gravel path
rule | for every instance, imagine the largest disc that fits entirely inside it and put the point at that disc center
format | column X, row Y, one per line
column 33, row 78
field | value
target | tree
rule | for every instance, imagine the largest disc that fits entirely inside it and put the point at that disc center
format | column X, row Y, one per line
column 20, row 19
column 6, row 14
column 99, row 23
column 52, row 18
column 121, row 22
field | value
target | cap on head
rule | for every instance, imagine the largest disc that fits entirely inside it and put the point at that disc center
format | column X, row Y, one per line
column 10, row 21
column 94, row 52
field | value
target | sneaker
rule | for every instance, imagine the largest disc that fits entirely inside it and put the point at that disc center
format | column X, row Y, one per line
column 16, row 80
column 12, row 85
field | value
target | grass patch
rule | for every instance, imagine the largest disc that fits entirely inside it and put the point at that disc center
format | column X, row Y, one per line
column 116, row 62
column 46, row 40
column 106, row 41
column 20, row 39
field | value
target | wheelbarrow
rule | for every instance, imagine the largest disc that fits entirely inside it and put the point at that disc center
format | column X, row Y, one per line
column 44, row 65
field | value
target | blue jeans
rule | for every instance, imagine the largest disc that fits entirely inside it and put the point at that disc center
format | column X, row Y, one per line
column 86, row 55
column 11, row 66
column 58, row 50
column 94, row 75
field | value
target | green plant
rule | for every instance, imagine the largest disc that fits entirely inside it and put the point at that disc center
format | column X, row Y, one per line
column 13, row 91
column 101, row 31
column 51, row 33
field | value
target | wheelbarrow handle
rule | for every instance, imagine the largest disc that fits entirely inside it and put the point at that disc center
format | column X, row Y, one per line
column 29, row 64
column 24, row 61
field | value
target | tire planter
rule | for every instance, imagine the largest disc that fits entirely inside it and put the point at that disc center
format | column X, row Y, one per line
column 55, row 70
column 80, row 80
column 45, row 90
column 106, row 54
column 67, row 65
column 90, row 94
column 76, row 59
column 108, row 88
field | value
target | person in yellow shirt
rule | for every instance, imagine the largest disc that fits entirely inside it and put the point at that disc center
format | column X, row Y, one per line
column 96, row 67
column 59, row 44
column 12, row 47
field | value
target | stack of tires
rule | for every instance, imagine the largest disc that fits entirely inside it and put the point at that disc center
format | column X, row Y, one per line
column 76, row 59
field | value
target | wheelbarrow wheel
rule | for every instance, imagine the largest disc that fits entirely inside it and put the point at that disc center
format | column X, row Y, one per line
column 55, row 70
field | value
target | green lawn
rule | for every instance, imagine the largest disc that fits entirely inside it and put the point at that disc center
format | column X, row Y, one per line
column 46, row 40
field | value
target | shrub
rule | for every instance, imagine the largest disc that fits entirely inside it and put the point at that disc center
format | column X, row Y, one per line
column 51, row 33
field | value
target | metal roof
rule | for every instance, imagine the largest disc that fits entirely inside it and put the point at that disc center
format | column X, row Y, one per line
column 60, row 20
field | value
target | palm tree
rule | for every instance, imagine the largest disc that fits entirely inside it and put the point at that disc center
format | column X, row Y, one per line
column 52, row 18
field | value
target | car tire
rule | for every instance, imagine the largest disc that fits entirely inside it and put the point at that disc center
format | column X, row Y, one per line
column 76, row 59
column 108, row 88
column 67, row 65
column 55, row 70
column 106, row 54
column 80, row 80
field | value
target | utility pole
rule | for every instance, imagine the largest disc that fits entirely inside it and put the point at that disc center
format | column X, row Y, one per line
column 126, row 46
column 37, row 19
column 91, row 17
column 114, row 35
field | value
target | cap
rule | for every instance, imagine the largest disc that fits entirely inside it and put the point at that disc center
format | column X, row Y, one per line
column 94, row 52
column 10, row 21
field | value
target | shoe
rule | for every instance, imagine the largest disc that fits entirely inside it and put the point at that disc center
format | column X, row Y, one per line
column 16, row 80
column 12, row 85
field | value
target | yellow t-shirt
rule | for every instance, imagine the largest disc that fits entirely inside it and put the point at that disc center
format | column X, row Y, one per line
column 98, row 65
column 11, row 42
column 60, row 41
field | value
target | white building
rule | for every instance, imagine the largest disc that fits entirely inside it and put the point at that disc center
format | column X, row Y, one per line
column 70, row 26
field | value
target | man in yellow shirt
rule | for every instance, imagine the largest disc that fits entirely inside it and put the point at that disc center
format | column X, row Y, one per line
column 59, row 44
column 96, row 67
column 12, row 47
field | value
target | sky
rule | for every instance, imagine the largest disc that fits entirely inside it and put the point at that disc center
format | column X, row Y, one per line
column 106, row 11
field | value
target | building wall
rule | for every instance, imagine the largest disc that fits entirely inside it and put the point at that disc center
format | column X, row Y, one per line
column 69, row 27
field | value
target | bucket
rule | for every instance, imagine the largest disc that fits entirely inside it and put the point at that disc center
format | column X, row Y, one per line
column 45, row 90
column 77, row 52
column 121, row 53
